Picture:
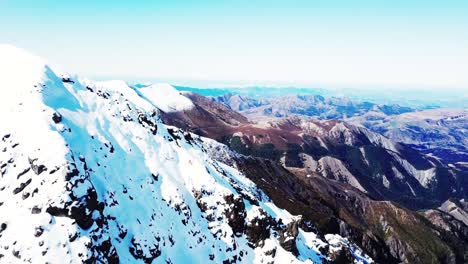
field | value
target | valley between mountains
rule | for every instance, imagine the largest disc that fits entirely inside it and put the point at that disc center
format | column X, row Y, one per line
column 107, row 172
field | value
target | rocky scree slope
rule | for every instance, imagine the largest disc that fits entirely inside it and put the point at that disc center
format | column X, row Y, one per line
column 90, row 174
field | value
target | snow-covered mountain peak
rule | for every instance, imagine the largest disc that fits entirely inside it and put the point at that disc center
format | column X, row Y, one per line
column 90, row 173
column 18, row 61
column 19, row 70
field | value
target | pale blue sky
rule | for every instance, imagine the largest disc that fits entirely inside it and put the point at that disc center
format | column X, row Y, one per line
column 309, row 43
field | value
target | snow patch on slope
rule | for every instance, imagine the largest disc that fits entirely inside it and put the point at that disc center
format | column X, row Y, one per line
column 20, row 70
column 165, row 97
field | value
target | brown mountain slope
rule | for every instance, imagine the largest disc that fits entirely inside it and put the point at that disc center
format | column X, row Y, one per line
column 387, row 232
column 208, row 118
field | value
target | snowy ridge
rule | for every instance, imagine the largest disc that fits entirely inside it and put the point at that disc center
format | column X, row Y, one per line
column 173, row 100
column 89, row 173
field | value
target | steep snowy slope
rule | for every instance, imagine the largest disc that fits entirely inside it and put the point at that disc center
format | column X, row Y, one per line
column 89, row 173
column 173, row 100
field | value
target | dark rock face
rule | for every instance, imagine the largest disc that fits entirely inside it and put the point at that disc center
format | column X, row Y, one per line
column 288, row 237
column 87, row 211
column 342, row 256
column 198, row 195
column 22, row 186
column 258, row 229
column 3, row 226
column 67, row 80
column 107, row 251
column 57, row 117
column 235, row 214
column 71, row 172
column 188, row 137
column 174, row 134
column 37, row 168
column 136, row 249
column 36, row 210
column 56, row 211
column 84, row 220
column 79, row 211
column 146, row 121
column 38, row 232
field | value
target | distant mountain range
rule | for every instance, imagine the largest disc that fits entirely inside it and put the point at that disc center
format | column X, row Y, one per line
column 442, row 133
column 439, row 132
column 417, row 98
column 315, row 106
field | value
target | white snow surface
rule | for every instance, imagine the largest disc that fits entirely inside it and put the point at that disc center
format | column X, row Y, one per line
column 98, row 148
column 173, row 101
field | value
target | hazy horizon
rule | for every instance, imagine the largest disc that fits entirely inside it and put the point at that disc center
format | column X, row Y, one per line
column 385, row 44
column 209, row 84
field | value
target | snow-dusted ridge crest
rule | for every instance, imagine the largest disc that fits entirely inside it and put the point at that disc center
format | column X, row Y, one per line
column 90, row 174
